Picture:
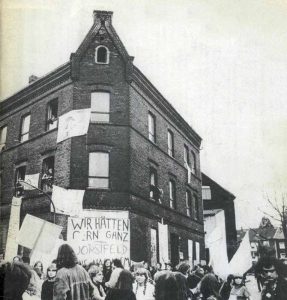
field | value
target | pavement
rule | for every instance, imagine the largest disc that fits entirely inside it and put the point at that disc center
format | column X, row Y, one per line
column 251, row 285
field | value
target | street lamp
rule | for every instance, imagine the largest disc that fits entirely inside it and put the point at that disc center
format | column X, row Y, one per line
column 23, row 183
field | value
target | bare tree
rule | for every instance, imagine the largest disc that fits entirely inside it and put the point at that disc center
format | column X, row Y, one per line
column 278, row 212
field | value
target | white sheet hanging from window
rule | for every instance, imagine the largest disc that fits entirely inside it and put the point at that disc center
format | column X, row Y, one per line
column 73, row 123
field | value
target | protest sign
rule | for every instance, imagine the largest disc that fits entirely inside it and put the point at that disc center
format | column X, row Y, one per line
column 35, row 232
column 100, row 234
column 30, row 179
column 14, row 223
column 163, row 243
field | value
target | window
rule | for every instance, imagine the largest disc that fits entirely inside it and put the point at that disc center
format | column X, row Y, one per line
column 100, row 106
column 206, row 193
column 192, row 163
column 3, row 136
column 102, row 55
column 151, row 127
column 52, row 114
column 186, row 155
column 19, row 175
column 196, row 207
column 47, row 177
column 154, row 191
column 266, row 243
column 172, row 194
column 188, row 203
column 99, row 170
column 25, row 127
column 170, row 142
column 281, row 245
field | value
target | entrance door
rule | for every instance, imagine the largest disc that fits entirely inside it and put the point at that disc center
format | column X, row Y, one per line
column 174, row 247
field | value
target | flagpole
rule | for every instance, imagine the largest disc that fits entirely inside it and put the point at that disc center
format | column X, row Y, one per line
column 47, row 195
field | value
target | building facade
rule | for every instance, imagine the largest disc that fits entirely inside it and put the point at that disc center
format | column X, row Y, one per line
column 215, row 199
column 139, row 155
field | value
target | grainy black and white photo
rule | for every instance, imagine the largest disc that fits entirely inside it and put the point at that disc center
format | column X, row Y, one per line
column 143, row 150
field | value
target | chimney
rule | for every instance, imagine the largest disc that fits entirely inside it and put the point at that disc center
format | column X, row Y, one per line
column 102, row 16
column 32, row 78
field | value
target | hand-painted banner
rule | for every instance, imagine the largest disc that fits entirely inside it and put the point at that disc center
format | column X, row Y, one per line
column 163, row 243
column 14, row 223
column 100, row 234
column 30, row 179
column 73, row 123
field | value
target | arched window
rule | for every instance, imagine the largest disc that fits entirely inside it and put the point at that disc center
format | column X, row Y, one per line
column 102, row 55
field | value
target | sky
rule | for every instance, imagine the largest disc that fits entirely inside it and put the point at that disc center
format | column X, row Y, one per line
column 222, row 64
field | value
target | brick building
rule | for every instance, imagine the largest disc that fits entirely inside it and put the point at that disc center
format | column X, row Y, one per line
column 216, row 198
column 148, row 156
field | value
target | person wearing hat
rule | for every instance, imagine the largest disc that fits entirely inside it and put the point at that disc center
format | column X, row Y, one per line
column 239, row 291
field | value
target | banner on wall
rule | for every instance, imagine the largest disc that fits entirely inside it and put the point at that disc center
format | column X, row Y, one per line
column 100, row 234
column 163, row 243
column 73, row 123
column 190, row 252
column 14, row 223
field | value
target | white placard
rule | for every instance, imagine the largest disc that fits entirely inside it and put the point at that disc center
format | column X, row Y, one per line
column 190, row 252
column 163, row 243
column 38, row 234
column 73, row 123
column 14, row 223
column 100, row 234
column 32, row 179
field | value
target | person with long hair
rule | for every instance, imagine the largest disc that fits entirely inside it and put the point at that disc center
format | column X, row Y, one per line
column 14, row 280
column 184, row 292
column 123, row 289
column 97, row 277
column 143, row 288
column 48, row 285
column 38, row 267
column 239, row 290
column 166, row 287
column 117, row 267
column 72, row 281
column 209, row 288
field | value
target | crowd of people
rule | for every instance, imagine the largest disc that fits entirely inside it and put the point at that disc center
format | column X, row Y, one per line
column 67, row 279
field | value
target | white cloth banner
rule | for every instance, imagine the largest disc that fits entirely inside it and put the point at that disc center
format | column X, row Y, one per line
column 217, row 246
column 32, row 179
column 73, row 123
column 68, row 202
column 38, row 234
column 197, row 251
column 190, row 252
column 14, row 224
column 100, row 234
column 163, row 243
column 242, row 259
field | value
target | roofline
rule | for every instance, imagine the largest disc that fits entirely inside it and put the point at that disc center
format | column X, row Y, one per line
column 143, row 82
column 225, row 190
column 61, row 72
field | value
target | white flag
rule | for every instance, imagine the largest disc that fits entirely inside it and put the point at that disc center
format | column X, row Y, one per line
column 68, row 202
column 38, row 234
column 242, row 260
column 73, row 123
column 31, row 179
column 14, row 224
column 163, row 242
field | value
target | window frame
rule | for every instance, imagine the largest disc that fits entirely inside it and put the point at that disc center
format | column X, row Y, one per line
column 49, row 115
column 3, row 143
column 170, row 143
column 172, row 193
column 193, row 162
column 107, row 55
column 16, row 177
column 98, row 112
column 186, row 156
column 153, row 171
column 46, row 177
column 151, row 127
column 196, row 207
column 188, row 203
column 107, row 186
column 22, row 134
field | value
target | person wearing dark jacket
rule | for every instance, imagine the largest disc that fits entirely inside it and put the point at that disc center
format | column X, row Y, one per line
column 48, row 285
column 123, row 289
column 226, row 287
column 15, row 279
